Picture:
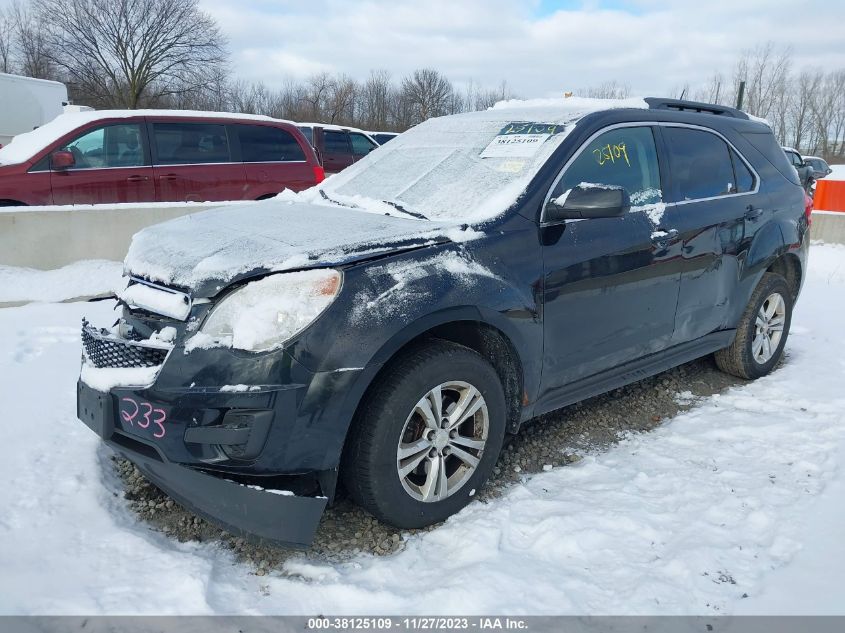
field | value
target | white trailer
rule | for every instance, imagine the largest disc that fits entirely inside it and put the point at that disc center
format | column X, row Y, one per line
column 27, row 103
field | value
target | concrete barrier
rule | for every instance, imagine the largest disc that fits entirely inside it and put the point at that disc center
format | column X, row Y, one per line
column 828, row 226
column 51, row 237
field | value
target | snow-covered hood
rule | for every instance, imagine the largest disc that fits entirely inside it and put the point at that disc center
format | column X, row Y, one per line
column 205, row 251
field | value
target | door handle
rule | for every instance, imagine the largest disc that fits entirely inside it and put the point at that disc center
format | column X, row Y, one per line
column 752, row 212
column 137, row 178
column 168, row 177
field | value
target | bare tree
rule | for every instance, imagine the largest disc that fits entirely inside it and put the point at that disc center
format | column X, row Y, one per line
column 31, row 44
column 608, row 90
column 7, row 34
column 716, row 91
column 427, row 93
column 129, row 53
column 803, row 89
column 340, row 100
column 765, row 71
column 316, row 94
column 374, row 100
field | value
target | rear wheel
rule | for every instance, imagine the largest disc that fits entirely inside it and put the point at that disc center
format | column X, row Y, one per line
column 426, row 437
column 762, row 331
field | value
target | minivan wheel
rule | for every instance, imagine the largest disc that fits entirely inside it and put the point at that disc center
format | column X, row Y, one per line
column 762, row 331
column 427, row 436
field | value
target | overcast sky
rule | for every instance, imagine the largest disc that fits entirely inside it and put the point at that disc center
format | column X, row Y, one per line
column 541, row 47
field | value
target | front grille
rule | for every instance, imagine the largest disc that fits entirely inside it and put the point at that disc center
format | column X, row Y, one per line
column 103, row 349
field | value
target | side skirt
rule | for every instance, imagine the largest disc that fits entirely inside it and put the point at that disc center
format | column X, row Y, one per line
column 633, row 371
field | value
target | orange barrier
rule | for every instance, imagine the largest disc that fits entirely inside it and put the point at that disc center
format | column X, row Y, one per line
column 830, row 195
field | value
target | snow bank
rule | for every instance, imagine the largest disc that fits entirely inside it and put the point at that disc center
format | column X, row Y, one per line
column 89, row 278
column 25, row 146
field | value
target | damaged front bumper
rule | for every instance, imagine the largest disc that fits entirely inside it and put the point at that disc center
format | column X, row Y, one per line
column 254, row 512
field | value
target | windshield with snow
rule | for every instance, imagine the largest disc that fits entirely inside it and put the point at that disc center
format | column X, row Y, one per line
column 463, row 168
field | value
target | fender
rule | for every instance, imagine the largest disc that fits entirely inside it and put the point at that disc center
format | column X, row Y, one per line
column 351, row 386
column 767, row 245
column 527, row 348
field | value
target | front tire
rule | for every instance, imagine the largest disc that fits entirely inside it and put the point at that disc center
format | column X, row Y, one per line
column 762, row 331
column 426, row 437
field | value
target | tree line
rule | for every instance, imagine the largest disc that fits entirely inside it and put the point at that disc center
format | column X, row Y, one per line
column 171, row 54
column 805, row 108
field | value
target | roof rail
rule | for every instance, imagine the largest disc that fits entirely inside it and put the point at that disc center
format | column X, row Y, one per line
column 660, row 103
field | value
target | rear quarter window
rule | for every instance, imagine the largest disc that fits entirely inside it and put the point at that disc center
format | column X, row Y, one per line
column 765, row 143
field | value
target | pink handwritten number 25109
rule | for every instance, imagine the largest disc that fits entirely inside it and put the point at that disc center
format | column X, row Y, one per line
column 150, row 415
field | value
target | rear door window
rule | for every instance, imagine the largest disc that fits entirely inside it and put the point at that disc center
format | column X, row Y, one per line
column 337, row 142
column 266, row 144
column 190, row 143
column 700, row 163
column 361, row 145
column 624, row 157
column 108, row 146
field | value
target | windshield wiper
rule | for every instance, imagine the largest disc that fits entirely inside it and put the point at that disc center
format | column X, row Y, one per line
column 399, row 207
column 395, row 205
column 325, row 196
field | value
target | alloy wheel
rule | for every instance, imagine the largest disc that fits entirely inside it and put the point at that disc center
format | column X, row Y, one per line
column 768, row 328
column 442, row 441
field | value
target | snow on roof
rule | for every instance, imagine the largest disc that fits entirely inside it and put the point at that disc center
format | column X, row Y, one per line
column 333, row 126
column 570, row 105
column 555, row 110
column 24, row 146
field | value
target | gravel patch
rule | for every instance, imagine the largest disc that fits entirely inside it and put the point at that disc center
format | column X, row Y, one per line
column 550, row 441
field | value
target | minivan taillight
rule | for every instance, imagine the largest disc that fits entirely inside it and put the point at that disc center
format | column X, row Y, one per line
column 319, row 174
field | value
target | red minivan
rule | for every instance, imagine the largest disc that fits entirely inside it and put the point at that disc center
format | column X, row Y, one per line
column 155, row 156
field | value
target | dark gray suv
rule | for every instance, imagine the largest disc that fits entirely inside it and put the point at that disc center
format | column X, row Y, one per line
column 385, row 330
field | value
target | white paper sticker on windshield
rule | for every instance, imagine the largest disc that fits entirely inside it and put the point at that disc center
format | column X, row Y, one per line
column 520, row 139
column 514, row 145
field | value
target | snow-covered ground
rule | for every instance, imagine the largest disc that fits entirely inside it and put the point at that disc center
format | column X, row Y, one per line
column 89, row 278
column 837, row 172
column 743, row 495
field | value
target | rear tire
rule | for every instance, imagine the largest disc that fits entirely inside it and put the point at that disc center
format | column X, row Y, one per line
column 762, row 331
column 426, row 437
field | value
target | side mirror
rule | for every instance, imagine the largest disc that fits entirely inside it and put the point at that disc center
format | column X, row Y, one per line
column 588, row 201
column 62, row 159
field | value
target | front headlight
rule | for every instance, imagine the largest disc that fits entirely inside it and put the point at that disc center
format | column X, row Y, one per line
column 264, row 314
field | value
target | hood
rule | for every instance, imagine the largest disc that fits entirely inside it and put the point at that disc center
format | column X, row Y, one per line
column 205, row 251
